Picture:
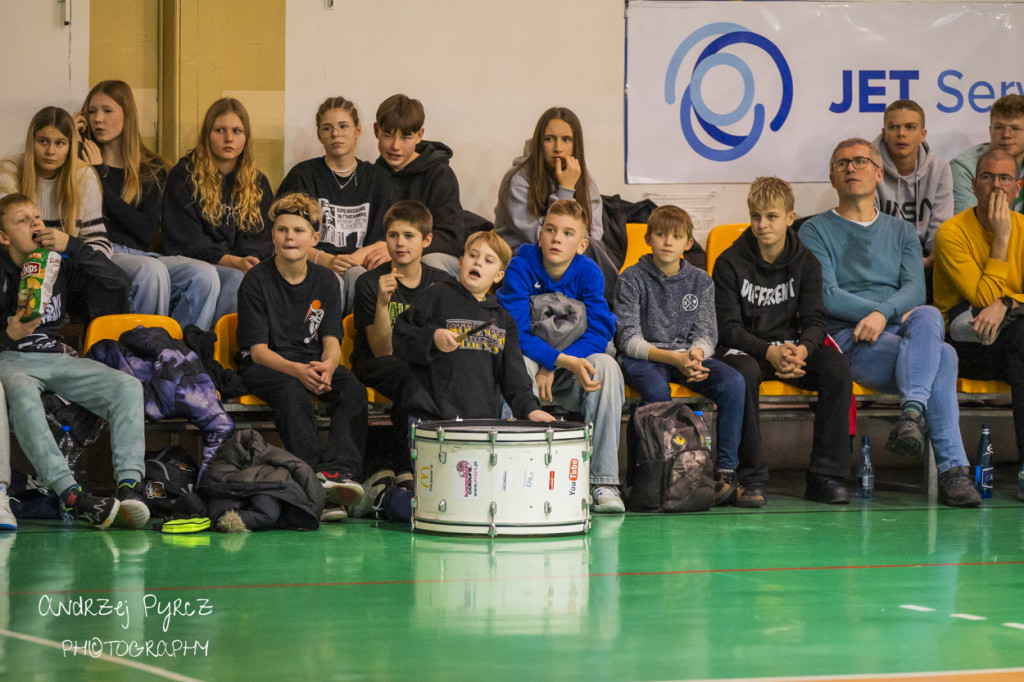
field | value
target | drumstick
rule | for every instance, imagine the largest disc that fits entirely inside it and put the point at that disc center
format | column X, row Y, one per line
column 475, row 330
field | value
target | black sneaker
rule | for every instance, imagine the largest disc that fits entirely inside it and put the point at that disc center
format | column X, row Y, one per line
column 725, row 488
column 133, row 512
column 92, row 509
column 373, row 493
column 907, row 437
column 956, row 489
column 826, row 489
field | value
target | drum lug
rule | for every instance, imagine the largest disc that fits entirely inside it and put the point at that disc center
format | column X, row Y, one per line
column 547, row 507
column 493, row 529
column 412, row 441
column 494, row 455
column 441, row 454
column 588, row 436
column 442, row 506
column 412, row 518
column 549, row 435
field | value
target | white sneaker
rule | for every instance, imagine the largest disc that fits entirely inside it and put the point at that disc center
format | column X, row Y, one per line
column 333, row 513
column 607, row 500
column 341, row 491
column 7, row 520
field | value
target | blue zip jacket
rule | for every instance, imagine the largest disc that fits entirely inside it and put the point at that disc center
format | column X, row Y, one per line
column 526, row 277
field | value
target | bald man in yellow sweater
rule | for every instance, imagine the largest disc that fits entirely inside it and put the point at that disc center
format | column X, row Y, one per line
column 979, row 281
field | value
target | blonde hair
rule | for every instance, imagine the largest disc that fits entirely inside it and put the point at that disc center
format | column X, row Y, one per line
column 140, row 164
column 770, row 192
column 20, row 171
column 571, row 208
column 497, row 244
column 672, row 219
column 298, row 204
column 247, row 193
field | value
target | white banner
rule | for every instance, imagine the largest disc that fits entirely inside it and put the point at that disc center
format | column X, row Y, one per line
column 727, row 91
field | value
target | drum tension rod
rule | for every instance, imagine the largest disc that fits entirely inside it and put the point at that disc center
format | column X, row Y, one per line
column 412, row 440
column 494, row 455
column 441, row 454
column 549, row 435
column 493, row 529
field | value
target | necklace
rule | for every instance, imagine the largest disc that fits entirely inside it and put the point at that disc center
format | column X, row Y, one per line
column 347, row 180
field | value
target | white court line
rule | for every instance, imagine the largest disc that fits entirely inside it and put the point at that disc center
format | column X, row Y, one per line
column 966, row 616
column 167, row 674
column 913, row 607
column 1019, row 626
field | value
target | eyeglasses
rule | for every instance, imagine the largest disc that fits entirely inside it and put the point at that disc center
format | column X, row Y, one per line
column 341, row 128
column 858, row 163
column 1001, row 127
column 1003, row 179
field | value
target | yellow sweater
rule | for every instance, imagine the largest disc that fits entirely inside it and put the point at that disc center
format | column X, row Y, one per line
column 963, row 269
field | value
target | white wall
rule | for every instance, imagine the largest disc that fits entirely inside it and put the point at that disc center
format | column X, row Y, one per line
column 485, row 70
column 44, row 63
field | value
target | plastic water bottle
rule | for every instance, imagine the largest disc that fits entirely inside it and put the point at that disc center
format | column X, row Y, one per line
column 704, row 427
column 72, row 453
column 983, row 469
column 865, row 471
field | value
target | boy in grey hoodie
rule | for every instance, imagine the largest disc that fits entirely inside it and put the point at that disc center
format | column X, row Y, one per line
column 917, row 185
column 666, row 331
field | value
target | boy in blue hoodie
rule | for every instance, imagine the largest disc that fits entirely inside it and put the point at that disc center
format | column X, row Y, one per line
column 667, row 332
column 771, row 325
column 581, row 376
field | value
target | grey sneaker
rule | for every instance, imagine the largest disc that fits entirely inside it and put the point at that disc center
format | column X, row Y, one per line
column 607, row 500
column 333, row 513
column 956, row 489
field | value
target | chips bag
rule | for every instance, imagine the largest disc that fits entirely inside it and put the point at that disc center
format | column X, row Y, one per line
column 38, row 277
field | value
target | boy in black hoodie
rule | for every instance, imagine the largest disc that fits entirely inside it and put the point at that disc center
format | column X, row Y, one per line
column 419, row 171
column 463, row 353
column 34, row 359
column 771, row 325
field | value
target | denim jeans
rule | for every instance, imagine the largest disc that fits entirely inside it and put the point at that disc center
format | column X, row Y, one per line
column 724, row 386
column 912, row 360
column 184, row 288
column 602, row 408
column 108, row 393
column 227, row 301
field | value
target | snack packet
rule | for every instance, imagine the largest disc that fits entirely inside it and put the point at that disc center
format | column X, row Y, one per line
column 38, row 275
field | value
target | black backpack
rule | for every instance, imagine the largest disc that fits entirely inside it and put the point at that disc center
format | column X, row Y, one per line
column 669, row 465
column 171, row 482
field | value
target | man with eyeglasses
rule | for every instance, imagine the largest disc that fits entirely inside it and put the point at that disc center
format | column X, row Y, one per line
column 1006, row 130
column 873, row 285
column 979, row 281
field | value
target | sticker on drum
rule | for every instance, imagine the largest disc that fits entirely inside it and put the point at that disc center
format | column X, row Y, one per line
column 492, row 477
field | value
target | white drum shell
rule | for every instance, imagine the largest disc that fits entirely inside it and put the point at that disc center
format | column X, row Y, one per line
column 462, row 476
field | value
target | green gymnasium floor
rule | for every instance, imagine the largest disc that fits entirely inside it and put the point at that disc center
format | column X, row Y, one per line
column 878, row 590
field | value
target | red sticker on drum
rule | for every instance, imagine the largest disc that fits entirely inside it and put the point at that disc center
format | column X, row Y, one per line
column 574, row 469
column 551, row 480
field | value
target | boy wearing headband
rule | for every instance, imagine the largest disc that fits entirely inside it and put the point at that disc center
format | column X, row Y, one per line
column 289, row 333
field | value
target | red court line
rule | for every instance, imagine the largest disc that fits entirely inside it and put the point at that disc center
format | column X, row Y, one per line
column 371, row 583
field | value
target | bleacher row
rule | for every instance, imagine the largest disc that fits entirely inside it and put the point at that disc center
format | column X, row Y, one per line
column 248, row 410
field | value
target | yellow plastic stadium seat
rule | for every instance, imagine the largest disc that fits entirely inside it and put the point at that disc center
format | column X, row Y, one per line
column 774, row 388
column 348, row 344
column 225, row 349
column 635, row 244
column 678, row 391
column 720, row 238
column 981, row 386
column 112, row 326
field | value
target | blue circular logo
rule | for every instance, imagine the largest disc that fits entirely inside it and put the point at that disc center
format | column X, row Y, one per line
column 710, row 121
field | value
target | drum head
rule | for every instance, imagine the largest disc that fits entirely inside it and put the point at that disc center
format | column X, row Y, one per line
column 520, row 430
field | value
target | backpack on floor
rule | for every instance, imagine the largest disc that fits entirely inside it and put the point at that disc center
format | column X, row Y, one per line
column 669, row 466
column 170, row 481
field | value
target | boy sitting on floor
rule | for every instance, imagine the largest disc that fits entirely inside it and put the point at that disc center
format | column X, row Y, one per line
column 463, row 354
column 34, row 359
column 289, row 330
